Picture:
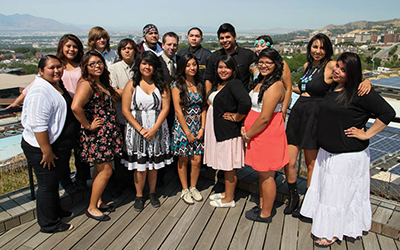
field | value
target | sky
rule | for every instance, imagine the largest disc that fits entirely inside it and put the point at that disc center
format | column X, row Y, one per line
column 207, row 14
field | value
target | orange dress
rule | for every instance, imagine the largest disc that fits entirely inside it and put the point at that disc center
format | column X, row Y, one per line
column 267, row 150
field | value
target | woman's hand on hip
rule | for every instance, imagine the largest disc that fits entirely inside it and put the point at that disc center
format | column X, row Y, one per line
column 356, row 133
column 96, row 123
column 48, row 160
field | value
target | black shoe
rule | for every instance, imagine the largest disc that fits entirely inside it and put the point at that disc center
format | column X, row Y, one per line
column 64, row 214
column 155, row 202
column 255, row 215
column 61, row 228
column 139, row 204
column 107, row 208
column 256, row 209
column 102, row 217
column 293, row 203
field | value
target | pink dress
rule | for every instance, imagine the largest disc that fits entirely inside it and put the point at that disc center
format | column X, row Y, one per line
column 267, row 150
column 226, row 155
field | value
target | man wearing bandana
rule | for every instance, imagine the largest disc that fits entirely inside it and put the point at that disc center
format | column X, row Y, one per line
column 150, row 43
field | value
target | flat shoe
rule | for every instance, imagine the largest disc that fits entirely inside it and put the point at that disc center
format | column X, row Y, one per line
column 216, row 196
column 255, row 215
column 102, row 217
column 109, row 208
column 62, row 228
column 218, row 203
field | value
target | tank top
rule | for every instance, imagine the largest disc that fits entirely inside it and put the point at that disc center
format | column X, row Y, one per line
column 317, row 87
column 255, row 106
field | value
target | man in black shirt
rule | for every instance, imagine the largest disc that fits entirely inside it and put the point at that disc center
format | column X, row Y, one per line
column 194, row 38
column 244, row 57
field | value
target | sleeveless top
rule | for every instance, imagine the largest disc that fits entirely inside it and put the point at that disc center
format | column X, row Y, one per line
column 317, row 87
column 255, row 106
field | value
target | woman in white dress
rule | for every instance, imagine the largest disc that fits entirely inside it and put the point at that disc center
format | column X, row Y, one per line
column 338, row 197
column 145, row 105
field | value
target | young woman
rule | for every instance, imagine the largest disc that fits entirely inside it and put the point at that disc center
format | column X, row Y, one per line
column 100, row 135
column 145, row 105
column 188, row 95
column 224, row 148
column 264, row 132
column 261, row 43
column 338, row 197
column 48, row 137
column 69, row 51
column 99, row 40
column 302, row 124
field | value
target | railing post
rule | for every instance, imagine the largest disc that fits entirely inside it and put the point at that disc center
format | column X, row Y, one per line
column 31, row 183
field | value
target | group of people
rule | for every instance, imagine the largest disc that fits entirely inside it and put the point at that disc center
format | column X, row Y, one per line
column 224, row 109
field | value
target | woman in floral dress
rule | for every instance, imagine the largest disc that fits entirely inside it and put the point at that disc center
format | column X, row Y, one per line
column 100, row 136
column 188, row 94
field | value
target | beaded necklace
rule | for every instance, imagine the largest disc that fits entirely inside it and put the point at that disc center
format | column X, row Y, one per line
column 307, row 78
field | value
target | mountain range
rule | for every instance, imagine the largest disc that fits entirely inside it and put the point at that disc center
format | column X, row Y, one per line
column 25, row 22
column 366, row 25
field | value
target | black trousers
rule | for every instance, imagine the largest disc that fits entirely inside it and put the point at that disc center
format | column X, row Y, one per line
column 82, row 168
column 123, row 177
column 48, row 201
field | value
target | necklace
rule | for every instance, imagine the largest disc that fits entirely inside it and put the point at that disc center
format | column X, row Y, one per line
column 307, row 77
column 189, row 84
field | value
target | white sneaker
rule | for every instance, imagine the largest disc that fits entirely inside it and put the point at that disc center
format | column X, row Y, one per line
column 216, row 196
column 218, row 203
column 196, row 195
column 187, row 197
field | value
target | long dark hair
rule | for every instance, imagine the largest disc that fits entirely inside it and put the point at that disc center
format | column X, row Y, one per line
column 180, row 79
column 104, row 78
column 352, row 65
column 275, row 76
column 327, row 46
column 230, row 62
column 153, row 60
column 63, row 40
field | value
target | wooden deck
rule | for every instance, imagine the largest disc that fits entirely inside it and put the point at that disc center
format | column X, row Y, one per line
column 176, row 225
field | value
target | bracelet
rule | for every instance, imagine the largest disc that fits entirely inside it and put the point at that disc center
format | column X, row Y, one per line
column 246, row 137
column 90, row 126
column 202, row 128
column 140, row 129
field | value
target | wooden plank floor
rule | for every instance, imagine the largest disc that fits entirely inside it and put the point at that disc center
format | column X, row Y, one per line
column 176, row 225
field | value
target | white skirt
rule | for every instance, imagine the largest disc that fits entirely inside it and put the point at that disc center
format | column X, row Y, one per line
column 338, row 197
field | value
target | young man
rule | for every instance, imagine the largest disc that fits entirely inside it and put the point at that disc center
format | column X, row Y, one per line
column 99, row 40
column 151, row 43
column 244, row 57
column 120, row 73
column 169, row 58
column 194, row 38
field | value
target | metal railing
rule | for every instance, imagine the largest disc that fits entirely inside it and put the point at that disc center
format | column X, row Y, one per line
column 385, row 171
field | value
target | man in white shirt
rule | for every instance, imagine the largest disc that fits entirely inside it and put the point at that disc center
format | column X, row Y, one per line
column 121, row 73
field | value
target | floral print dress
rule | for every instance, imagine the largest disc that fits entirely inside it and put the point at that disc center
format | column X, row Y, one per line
column 103, row 143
